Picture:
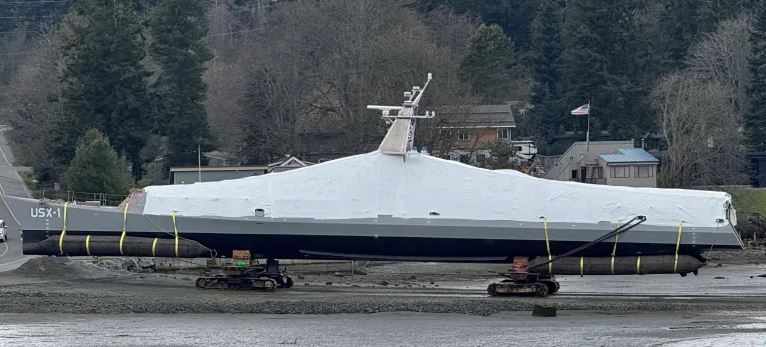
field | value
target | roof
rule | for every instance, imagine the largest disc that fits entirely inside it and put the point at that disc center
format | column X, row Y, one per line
column 218, row 155
column 576, row 153
column 292, row 161
column 218, row 168
column 629, row 155
column 474, row 116
column 608, row 143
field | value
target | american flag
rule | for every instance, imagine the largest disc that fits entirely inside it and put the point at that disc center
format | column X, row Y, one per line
column 582, row 110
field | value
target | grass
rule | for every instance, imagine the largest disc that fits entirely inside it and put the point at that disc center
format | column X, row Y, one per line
column 28, row 177
column 748, row 200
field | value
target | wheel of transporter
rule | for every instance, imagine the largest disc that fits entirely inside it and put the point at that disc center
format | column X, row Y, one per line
column 208, row 283
column 271, row 286
column 542, row 290
column 491, row 289
column 552, row 286
column 288, row 282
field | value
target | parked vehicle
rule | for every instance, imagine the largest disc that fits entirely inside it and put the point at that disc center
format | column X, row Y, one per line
column 3, row 231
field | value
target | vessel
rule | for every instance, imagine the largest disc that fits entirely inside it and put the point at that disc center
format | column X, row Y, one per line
column 390, row 204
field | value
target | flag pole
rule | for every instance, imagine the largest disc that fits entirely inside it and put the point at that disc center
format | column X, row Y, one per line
column 587, row 132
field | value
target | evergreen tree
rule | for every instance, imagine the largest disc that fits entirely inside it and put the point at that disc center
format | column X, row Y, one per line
column 96, row 167
column 104, row 79
column 513, row 16
column 545, row 54
column 711, row 12
column 678, row 29
column 545, row 62
column 488, row 66
column 607, row 61
column 178, row 29
column 755, row 119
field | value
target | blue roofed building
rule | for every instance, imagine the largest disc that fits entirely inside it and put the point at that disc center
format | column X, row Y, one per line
column 633, row 167
column 614, row 163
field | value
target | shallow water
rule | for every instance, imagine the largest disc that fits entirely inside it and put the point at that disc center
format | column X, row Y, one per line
column 386, row 329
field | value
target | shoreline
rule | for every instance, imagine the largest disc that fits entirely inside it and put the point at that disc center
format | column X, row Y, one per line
column 58, row 285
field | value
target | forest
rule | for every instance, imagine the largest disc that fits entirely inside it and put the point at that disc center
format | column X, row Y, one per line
column 258, row 79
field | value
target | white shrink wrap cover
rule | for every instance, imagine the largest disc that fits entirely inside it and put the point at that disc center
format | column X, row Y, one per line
column 414, row 186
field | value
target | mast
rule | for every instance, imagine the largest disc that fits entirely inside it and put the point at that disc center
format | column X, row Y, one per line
column 401, row 134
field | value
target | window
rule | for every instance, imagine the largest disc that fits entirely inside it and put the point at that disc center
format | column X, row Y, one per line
column 445, row 133
column 620, row 171
column 504, row 133
column 644, row 171
column 462, row 135
column 574, row 173
column 599, row 172
column 465, row 158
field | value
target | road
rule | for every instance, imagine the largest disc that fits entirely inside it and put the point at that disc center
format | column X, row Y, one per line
column 10, row 184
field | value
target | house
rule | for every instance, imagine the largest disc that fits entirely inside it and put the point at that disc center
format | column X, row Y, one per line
column 632, row 167
column 288, row 164
column 606, row 162
column 469, row 133
column 186, row 175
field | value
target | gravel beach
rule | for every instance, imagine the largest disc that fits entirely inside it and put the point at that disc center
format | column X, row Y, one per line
column 61, row 285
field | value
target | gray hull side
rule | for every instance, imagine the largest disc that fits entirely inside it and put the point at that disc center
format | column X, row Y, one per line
column 32, row 215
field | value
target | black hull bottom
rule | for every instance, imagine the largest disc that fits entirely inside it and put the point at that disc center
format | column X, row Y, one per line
column 384, row 248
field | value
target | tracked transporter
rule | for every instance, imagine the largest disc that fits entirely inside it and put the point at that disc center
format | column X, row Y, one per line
column 399, row 205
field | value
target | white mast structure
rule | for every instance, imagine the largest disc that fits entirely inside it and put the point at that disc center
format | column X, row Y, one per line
column 400, row 136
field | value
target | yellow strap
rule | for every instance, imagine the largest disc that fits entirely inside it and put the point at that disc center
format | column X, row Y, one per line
column 547, row 244
column 175, row 228
column 678, row 245
column 124, row 227
column 154, row 246
column 582, row 266
column 87, row 245
column 614, row 249
column 63, row 231
column 638, row 265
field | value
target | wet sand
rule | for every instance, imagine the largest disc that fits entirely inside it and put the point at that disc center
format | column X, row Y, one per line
column 717, row 328
column 54, row 285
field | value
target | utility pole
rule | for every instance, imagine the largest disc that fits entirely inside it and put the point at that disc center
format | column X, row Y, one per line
column 199, row 163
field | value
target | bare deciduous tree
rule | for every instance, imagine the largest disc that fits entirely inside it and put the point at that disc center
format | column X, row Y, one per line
column 724, row 57
column 316, row 65
column 35, row 111
column 702, row 108
column 702, row 134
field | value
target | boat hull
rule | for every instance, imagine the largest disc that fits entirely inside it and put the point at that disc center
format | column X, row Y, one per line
column 382, row 238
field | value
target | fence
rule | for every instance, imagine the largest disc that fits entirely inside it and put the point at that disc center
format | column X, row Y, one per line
column 68, row 195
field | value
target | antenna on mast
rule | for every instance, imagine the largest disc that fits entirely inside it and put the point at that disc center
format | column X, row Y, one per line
column 398, row 140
